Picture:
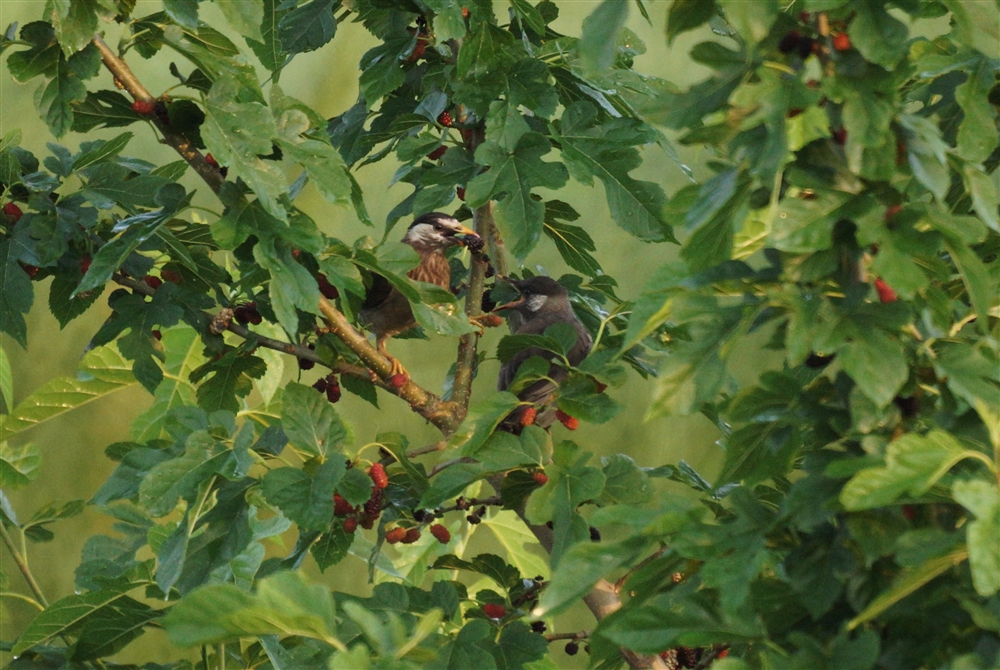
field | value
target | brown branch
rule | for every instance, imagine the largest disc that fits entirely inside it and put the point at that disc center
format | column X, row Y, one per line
column 465, row 364
column 444, row 415
column 579, row 635
column 429, row 449
column 181, row 144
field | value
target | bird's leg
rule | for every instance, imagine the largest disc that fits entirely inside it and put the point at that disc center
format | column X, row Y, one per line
column 397, row 367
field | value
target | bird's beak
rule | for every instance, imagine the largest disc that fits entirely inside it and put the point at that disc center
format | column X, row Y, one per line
column 463, row 233
column 514, row 304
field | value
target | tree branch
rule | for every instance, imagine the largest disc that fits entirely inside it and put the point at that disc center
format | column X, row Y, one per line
column 465, row 364
column 444, row 415
column 181, row 144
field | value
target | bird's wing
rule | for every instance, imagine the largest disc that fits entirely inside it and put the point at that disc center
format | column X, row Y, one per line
column 378, row 292
column 509, row 369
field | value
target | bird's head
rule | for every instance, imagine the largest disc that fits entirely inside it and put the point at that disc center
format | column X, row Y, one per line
column 537, row 294
column 435, row 231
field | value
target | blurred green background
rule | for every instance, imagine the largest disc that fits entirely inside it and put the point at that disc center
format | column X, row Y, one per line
column 74, row 465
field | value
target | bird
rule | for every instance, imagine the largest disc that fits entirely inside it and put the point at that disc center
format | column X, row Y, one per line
column 386, row 311
column 543, row 302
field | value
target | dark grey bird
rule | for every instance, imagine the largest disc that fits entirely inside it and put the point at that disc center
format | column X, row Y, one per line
column 543, row 302
column 386, row 311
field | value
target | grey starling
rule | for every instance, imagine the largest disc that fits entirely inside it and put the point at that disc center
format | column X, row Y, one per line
column 386, row 311
column 543, row 303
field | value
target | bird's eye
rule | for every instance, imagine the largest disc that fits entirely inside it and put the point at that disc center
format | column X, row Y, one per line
column 438, row 227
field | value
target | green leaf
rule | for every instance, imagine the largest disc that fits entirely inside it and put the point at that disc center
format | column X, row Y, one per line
column 490, row 565
column 504, row 451
column 108, row 109
column 685, row 15
column 448, row 21
column 62, row 616
column 678, row 617
column 876, row 363
column 579, row 397
column 42, row 58
column 101, row 152
column 976, row 277
column 268, row 48
column 530, row 16
column 599, row 43
column 488, row 48
column 907, row 583
column 985, row 199
column 464, row 651
column 324, row 166
column 180, row 477
column 284, row 604
column 807, row 225
column 509, row 180
column 245, row 16
column 331, row 547
column 19, row 466
column 604, row 150
column 307, row 27
column 310, row 422
column 16, row 297
column 184, row 12
column 624, row 482
column 306, row 500
column 103, row 371
column 982, row 498
column 6, row 383
column 880, row 37
column 291, row 284
column 54, row 100
column 570, row 476
column 976, row 24
column 451, row 482
column 355, row 487
column 913, row 463
column 482, row 421
column 230, row 381
column 108, row 630
column 572, row 242
column 752, row 20
column 518, row 645
column 583, row 566
column 977, row 134
column 511, row 345
column 970, row 374
column 182, row 347
column 511, row 532
column 236, row 133
column 110, row 257
column 927, row 154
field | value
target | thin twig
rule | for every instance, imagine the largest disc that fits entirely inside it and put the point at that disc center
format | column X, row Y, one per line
column 444, row 465
column 429, row 449
column 22, row 565
column 578, row 635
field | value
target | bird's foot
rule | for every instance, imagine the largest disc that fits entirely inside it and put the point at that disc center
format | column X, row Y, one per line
column 484, row 321
column 398, row 376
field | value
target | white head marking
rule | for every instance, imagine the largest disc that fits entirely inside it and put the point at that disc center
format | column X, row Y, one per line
column 535, row 302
